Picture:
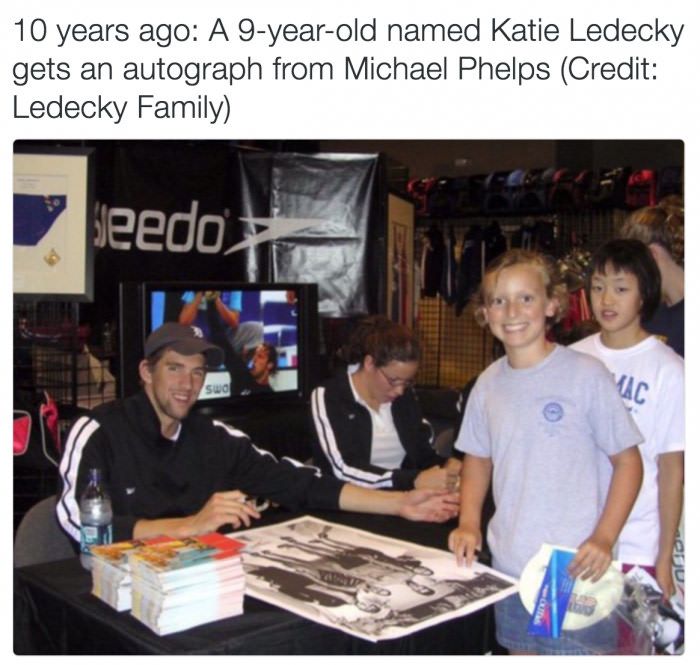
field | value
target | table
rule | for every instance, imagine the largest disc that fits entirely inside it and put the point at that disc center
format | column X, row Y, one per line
column 55, row 613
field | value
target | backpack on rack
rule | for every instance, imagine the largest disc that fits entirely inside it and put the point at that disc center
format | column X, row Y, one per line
column 35, row 437
column 531, row 198
column 514, row 187
column 496, row 195
column 561, row 194
column 608, row 190
column 669, row 181
column 419, row 189
column 582, row 189
column 641, row 189
column 467, row 195
column 544, row 186
column 441, row 198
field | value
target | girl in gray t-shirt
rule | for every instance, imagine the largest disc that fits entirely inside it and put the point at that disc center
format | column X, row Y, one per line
column 548, row 425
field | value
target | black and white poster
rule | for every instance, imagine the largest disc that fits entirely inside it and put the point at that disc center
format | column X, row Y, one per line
column 370, row 586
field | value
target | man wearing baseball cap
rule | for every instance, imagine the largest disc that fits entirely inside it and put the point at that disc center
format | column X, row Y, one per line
column 170, row 471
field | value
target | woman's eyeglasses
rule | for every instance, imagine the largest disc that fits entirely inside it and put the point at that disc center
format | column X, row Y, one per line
column 395, row 382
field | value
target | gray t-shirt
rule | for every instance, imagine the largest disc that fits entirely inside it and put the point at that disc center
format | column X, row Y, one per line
column 549, row 430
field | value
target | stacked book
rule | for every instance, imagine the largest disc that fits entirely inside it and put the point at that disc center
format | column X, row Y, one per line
column 171, row 584
column 111, row 572
column 183, row 583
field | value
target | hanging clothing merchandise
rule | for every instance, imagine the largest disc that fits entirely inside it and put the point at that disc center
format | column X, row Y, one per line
column 545, row 234
column 448, row 287
column 469, row 268
column 495, row 241
column 417, row 286
column 432, row 259
column 524, row 237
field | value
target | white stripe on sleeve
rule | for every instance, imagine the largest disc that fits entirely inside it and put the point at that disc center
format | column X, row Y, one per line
column 67, row 509
column 329, row 445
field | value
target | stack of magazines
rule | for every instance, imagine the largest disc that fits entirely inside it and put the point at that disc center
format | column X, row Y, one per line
column 111, row 572
column 183, row 583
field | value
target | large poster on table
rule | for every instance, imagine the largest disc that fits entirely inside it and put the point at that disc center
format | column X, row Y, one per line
column 367, row 585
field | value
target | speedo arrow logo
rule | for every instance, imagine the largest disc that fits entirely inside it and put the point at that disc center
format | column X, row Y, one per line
column 277, row 227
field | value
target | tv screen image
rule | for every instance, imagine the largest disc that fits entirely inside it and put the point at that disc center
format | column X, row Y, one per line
column 265, row 331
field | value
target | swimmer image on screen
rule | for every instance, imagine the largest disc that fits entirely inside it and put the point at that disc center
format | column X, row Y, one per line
column 247, row 324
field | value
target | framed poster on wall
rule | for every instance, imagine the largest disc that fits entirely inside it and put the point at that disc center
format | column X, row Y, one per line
column 53, row 201
column 400, row 260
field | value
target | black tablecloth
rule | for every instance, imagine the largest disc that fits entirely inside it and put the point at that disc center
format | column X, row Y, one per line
column 55, row 613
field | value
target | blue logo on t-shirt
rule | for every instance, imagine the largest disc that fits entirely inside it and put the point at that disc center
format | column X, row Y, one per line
column 553, row 412
column 632, row 389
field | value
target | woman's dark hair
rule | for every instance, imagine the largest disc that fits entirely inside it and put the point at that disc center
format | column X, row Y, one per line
column 384, row 340
column 634, row 257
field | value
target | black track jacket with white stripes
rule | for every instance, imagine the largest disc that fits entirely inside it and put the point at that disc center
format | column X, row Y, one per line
column 342, row 443
column 151, row 477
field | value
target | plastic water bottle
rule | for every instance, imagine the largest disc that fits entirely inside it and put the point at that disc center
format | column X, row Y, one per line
column 95, row 517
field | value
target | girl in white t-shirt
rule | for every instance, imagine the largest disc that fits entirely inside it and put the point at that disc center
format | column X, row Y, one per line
column 624, row 288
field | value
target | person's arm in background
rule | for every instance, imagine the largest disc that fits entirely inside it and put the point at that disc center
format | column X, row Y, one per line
column 188, row 313
column 670, row 422
column 230, row 317
column 670, row 481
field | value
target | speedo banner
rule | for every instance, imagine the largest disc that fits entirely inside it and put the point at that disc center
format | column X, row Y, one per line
column 198, row 210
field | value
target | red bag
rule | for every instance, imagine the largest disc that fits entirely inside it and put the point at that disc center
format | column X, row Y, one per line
column 419, row 190
column 35, row 438
column 641, row 189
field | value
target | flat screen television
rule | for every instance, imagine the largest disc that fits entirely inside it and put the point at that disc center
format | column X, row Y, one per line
column 278, row 320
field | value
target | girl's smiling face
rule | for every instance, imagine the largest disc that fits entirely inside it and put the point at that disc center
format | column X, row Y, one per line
column 516, row 310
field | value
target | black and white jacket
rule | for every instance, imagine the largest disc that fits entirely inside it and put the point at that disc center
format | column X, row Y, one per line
column 342, row 444
column 149, row 476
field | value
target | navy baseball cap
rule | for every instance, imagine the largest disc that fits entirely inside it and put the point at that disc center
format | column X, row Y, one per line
column 183, row 339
